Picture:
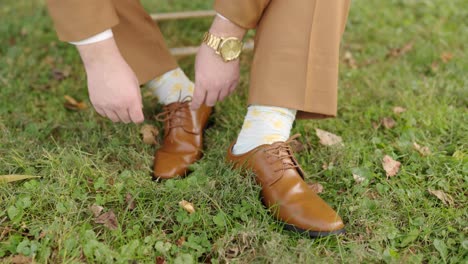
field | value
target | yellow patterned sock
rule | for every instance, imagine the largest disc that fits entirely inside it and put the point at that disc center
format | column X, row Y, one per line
column 173, row 86
column 264, row 125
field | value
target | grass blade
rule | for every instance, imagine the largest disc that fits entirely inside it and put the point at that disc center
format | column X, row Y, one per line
column 15, row 177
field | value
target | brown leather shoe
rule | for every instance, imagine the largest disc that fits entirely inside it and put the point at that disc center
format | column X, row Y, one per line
column 284, row 191
column 183, row 139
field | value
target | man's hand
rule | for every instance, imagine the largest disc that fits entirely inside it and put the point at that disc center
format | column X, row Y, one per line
column 113, row 87
column 214, row 78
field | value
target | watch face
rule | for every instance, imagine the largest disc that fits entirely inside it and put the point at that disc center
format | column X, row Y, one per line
column 230, row 49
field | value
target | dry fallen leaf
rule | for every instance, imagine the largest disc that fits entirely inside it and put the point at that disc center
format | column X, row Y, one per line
column 398, row 52
column 42, row 235
column 359, row 179
column 388, row 122
column 72, row 104
column 316, row 187
column 160, row 260
column 297, row 146
column 187, row 206
column 130, row 201
column 349, row 60
column 108, row 220
column 398, row 109
column 326, row 166
column 232, row 252
column 446, row 56
column 60, row 74
column 49, row 60
column 20, row 259
column 424, row 151
column 390, row 166
column 447, row 199
column 5, row 232
column 149, row 134
column 327, row 138
column 376, row 125
column 96, row 209
column 434, row 66
column 15, row 177
column 180, row 241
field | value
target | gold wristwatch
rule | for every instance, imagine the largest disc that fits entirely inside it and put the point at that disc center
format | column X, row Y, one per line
column 228, row 48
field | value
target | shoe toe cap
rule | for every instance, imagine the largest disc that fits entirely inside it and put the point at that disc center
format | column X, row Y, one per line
column 171, row 165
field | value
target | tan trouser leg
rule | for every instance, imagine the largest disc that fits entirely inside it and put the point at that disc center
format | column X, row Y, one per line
column 137, row 37
column 140, row 41
column 296, row 56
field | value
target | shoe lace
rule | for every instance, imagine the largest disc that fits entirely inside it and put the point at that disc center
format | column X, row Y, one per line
column 283, row 152
column 173, row 114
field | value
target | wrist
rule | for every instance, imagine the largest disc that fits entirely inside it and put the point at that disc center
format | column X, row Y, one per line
column 98, row 52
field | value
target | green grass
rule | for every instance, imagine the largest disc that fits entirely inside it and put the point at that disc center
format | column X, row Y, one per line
column 84, row 159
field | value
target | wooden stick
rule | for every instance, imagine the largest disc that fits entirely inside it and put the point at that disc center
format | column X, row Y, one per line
column 183, row 15
column 187, row 51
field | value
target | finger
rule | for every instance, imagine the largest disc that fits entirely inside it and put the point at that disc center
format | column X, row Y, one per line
column 123, row 115
column 211, row 98
column 137, row 86
column 136, row 114
column 198, row 98
column 223, row 93
column 233, row 87
column 100, row 111
column 112, row 116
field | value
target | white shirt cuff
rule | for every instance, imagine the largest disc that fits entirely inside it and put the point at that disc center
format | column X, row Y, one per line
column 221, row 16
column 107, row 34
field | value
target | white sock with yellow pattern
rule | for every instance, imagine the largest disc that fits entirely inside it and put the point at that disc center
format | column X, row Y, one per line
column 173, row 86
column 264, row 125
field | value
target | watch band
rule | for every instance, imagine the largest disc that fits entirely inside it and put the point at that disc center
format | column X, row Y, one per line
column 212, row 41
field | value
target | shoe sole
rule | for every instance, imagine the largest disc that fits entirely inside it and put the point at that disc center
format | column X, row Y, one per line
column 312, row 234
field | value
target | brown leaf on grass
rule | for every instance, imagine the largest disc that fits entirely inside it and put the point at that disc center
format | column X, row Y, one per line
column 358, row 178
column 316, row 187
column 149, row 134
column 398, row 52
column 16, row 177
column 60, row 74
column 447, row 199
column 180, row 241
column 160, row 260
column 390, row 166
column 424, row 151
column 446, row 57
column 42, row 235
column 297, row 146
column 376, row 125
column 187, row 206
column 108, row 219
column 326, row 165
column 398, row 110
column 5, row 232
column 49, row 60
column 130, row 201
column 327, row 138
column 388, row 122
column 111, row 181
column 349, row 60
column 72, row 104
column 19, row 259
column 434, row 67
column 96, row 209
